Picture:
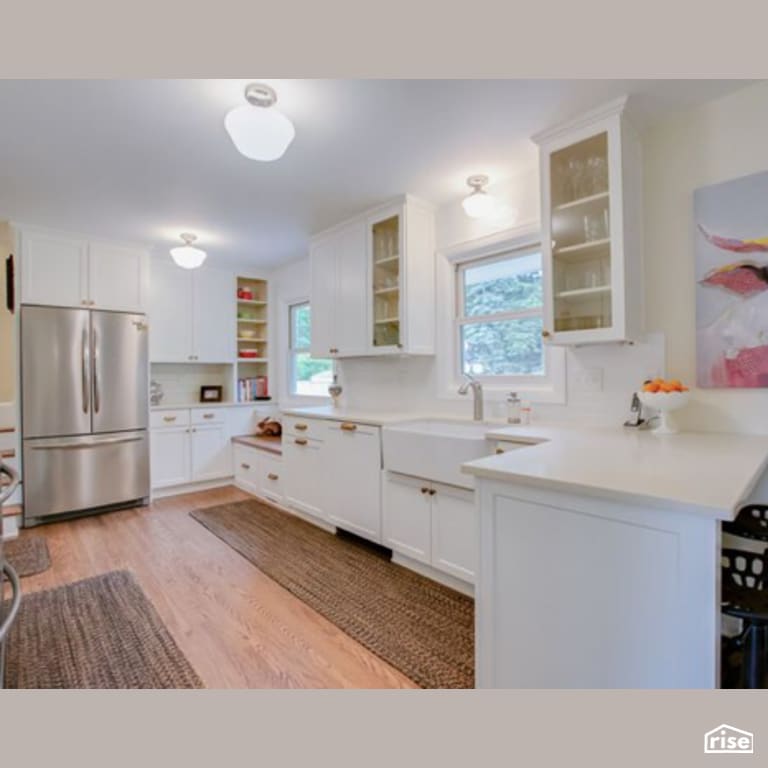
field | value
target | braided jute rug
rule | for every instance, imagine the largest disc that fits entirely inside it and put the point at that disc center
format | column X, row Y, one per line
column 422, row 628
column 101, row 632
column 28, row 554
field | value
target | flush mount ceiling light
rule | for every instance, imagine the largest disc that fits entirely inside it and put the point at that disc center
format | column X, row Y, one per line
column 185, row 255
column 258, row 129
column 478, row 203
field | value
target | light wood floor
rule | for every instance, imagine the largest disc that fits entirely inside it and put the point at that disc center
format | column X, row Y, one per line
column 237, row 627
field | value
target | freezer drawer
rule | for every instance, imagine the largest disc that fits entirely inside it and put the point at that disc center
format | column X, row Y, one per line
column 78, row 473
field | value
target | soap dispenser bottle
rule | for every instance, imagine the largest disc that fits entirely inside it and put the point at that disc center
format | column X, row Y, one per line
column 513, row 408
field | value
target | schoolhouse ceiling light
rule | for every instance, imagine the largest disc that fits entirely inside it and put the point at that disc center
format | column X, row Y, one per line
column 258, row 129
column 478, row 204
column 185, row 255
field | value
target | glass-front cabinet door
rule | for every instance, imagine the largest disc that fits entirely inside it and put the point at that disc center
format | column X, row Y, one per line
column 581, row 235
column 591, row 230
column 386, row 254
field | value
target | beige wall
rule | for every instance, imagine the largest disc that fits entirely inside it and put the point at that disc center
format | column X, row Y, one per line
column 721, row 140
column 7, row 362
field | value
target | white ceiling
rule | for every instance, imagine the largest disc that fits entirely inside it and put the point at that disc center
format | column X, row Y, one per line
column 145, row 160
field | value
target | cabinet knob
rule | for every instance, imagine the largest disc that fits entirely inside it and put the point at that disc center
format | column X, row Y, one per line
column 500, row 450
column 348, row 427
column 432, row 491
column 169, row 418
column 208, row 415
column 425, row 490
column 300, row 427
column 545, row 334
column 273, row 476
column 300, row 441
column 245, row 466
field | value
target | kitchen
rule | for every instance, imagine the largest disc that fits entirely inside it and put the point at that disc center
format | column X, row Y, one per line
column 349, row 319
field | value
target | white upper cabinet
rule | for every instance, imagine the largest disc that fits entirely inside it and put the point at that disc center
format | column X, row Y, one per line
column 214, row 326
column 54, row 270
column 323, row 256
column 338, row 285
column 373, row 284
column 192, row 314
column 592, row 229
column 63, row 271
column 170, row 313
column 117, row 277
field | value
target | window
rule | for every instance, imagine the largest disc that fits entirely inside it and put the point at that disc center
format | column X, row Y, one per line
column 307, row 375
column 500, row 315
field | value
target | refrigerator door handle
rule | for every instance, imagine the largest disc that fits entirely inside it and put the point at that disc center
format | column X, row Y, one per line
column 96, row 381
column 85, row 359
column 92, row 444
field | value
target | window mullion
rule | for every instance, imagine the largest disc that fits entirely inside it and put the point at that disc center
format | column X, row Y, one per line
column 499, row 316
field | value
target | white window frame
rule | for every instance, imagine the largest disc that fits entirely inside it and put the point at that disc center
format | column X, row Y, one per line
column 293, row 351
column 547, row 388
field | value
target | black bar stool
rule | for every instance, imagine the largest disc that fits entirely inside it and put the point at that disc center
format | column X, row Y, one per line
column 745, row 578
column 751, row 523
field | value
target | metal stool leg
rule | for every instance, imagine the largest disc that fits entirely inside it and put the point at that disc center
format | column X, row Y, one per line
column 755, row 648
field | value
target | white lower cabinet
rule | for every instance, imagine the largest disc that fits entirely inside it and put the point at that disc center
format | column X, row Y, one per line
column 305, row 475
column 270, row 477
column 259, row 472
column 169, row 456
column 189, row 446
column 454, row 531
column 408, row 516
column 353, row 478
column 246, row 474
column 332, row 472
column 431, row 523
column 211, row 456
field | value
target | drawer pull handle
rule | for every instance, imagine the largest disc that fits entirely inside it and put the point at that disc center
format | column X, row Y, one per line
column 349, row 427
column 301, row 427
column 245, row 466
column 300, row 441
column 169, row 418
column 432, row 491
column 500, row 450
column 273, row 476
column 209, row 415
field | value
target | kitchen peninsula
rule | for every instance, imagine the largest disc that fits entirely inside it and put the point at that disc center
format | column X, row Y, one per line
column 599, row 562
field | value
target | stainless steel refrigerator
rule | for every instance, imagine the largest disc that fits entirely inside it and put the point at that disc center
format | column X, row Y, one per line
column 84, row 408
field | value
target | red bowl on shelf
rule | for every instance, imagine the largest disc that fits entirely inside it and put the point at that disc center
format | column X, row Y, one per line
column 249, row 353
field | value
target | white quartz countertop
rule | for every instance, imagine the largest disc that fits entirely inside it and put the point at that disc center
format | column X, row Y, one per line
column 709, row 474
column 328, row 412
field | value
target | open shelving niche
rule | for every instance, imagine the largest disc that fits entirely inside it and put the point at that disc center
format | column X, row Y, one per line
column 252, row 329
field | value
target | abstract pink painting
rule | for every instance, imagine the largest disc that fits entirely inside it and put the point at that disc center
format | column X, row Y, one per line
column 731, row 248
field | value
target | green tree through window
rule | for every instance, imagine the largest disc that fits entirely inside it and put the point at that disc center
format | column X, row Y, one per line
column 308, row 375
column 500, row 316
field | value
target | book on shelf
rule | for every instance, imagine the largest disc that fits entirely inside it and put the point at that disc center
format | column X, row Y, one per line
column 253, row 388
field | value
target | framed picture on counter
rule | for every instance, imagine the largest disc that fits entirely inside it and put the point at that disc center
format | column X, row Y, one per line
column 211, row 394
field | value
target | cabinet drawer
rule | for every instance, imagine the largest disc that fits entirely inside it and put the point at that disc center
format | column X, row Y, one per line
column 307, row 428
column 270, row 481
column 351, row 429
column 208, row 416
column 246, row 467
column 177, row 418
